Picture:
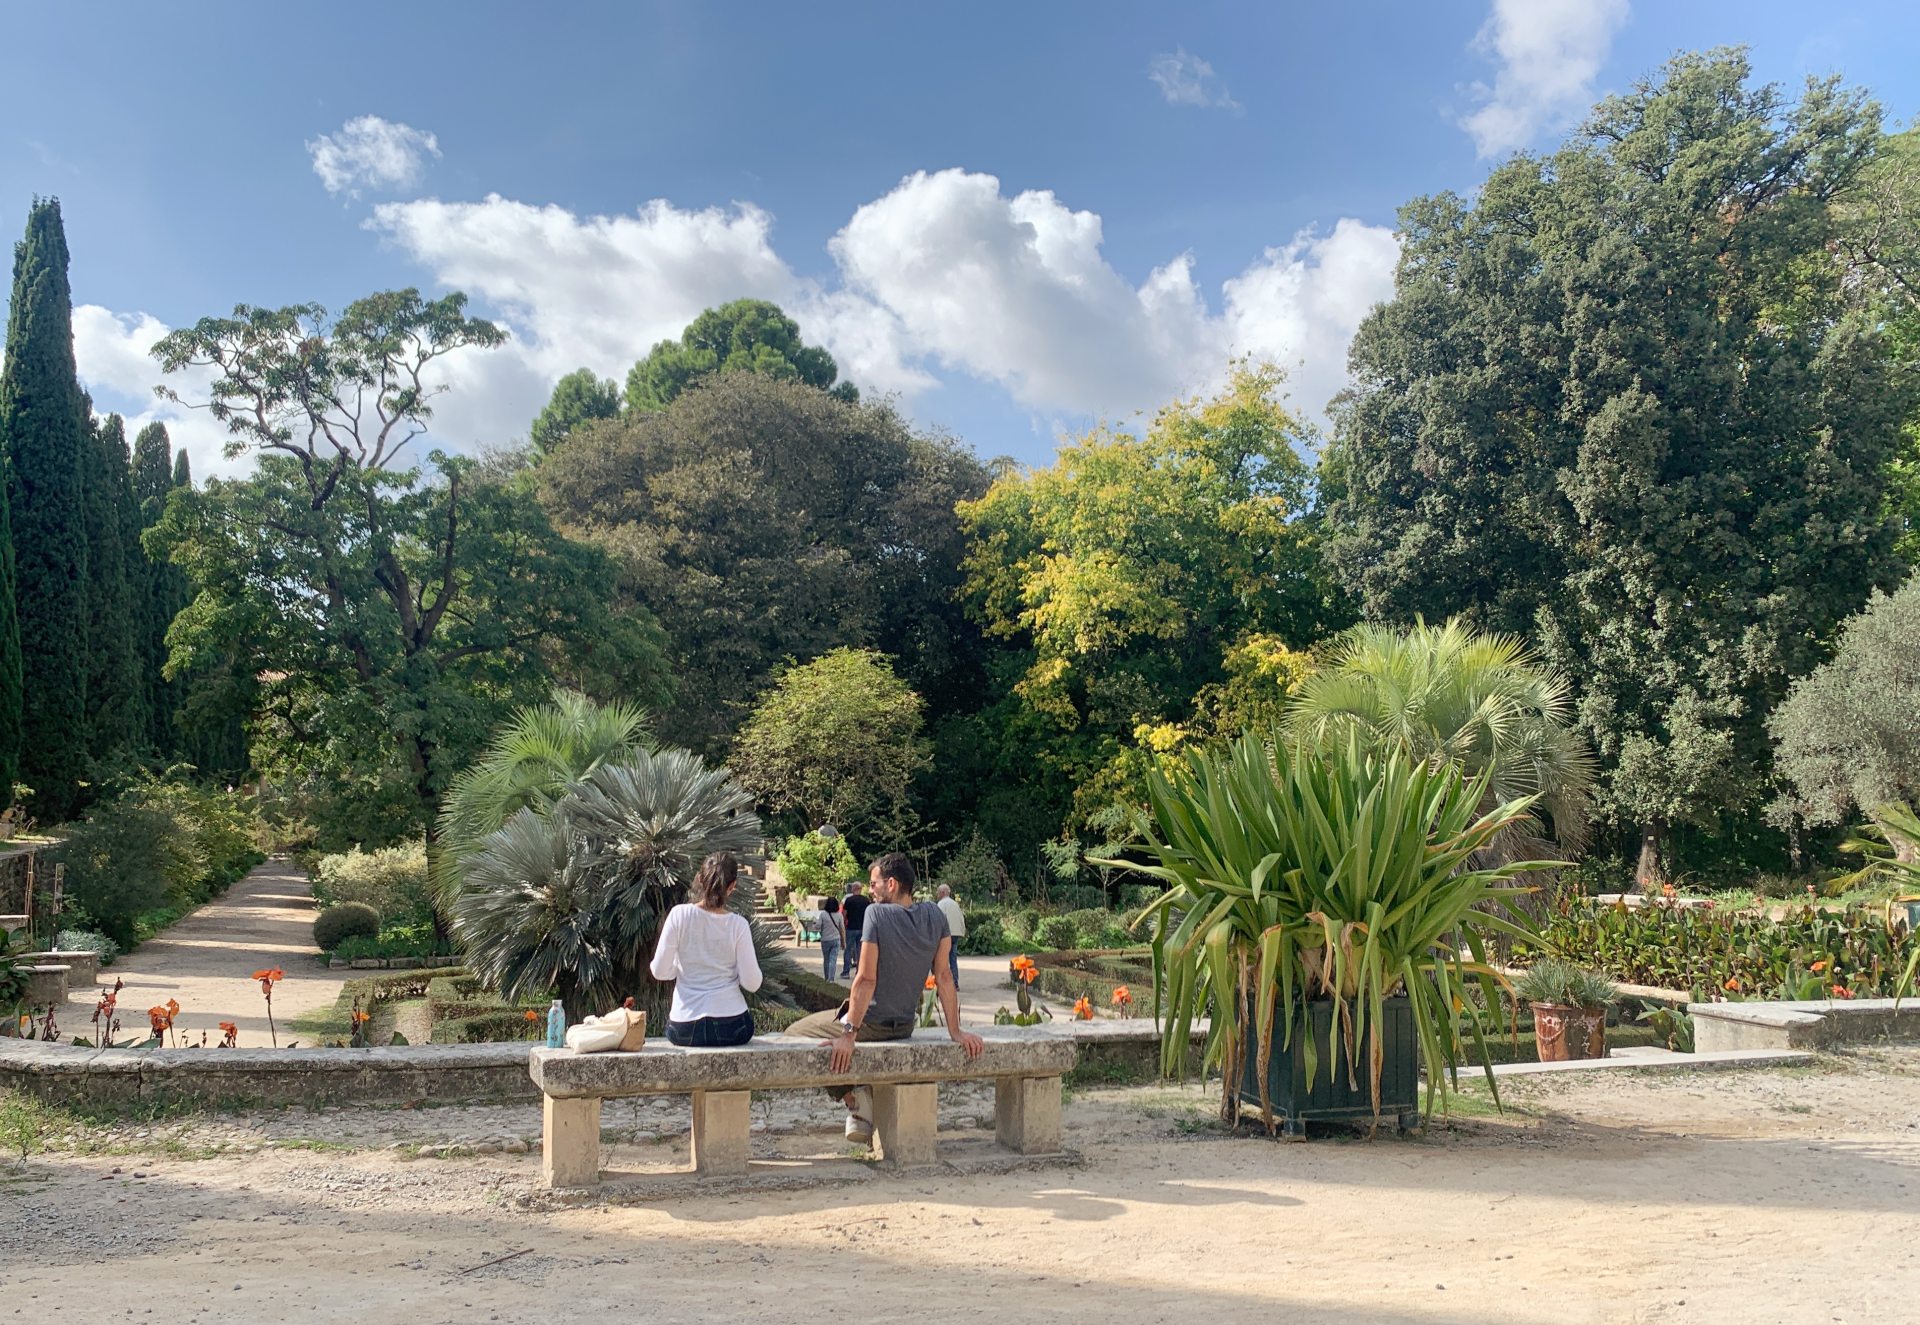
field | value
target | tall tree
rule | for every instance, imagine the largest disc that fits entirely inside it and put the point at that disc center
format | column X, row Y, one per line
column 182, row 470
column 10, row 685
column 578, row 398
column 374, row 622
column 763, row 521
column 43, row 430
column 162, row 590
column 1622, row 403
column 747, row 335
column 116, row 695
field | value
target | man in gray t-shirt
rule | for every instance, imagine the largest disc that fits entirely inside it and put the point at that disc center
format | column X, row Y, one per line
column 901, row 944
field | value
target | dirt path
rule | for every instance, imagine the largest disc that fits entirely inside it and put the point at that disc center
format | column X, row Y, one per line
column 204, row 962
column 1726, row 1198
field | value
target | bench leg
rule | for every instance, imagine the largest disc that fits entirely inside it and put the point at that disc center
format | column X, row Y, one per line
column 905, row 1119
column 720, row 1131
column 570, row 1142
column 1026, row 1114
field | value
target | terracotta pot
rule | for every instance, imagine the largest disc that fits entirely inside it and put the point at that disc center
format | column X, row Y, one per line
column 1568, row 1033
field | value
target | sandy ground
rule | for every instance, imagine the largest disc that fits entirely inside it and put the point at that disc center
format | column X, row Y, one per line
column 204, row 961
column 1749, row 1197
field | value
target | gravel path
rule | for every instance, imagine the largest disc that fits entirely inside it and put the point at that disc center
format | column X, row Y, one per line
column 204, row 962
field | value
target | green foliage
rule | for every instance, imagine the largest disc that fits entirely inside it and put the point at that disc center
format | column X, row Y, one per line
column 1672, row 1027
column 116, row 695
column 974, row 869
column 818, row 865
column 836, row 741
column 745, row 336
column 573, row 899
column 344, row 920
column 1849, row 732
column 391, row 880
column 1621, row 401
column 578, row 399
column 388, row 619
column 1128, row 571
column 416, row 939
column 1343, row 876
column 1551, row 980
column 529, row 764
column 1722, row 952
column 1056, row 932
column 43, row 436
column 984, row 937
column 161, row 590
column 1451, row 693
column 762, row 521
column 87, row 940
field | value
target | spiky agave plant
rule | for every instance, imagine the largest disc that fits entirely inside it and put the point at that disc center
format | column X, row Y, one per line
column 1889, row 841
column 1297, row 875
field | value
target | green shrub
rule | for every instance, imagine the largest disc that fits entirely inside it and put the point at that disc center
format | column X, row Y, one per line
column 1079, row 897
column 813, row 993
column 415, row 940
column 493, row 1026
column 391, row 880
column 1115, row 935
column 768, row 1019
column 974, row 869
column 1056, row 932
column 1020, row 925
column 344, row 921
column 87, row 940
column 1136, row 896
column 1090, row 923
column 119, row 860
column 813, row 864
column 984, row 937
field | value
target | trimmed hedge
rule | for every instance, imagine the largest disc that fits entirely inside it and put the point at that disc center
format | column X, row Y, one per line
column 347, row 920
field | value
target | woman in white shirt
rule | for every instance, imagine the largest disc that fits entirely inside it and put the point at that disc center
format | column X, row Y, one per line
column 706, row 949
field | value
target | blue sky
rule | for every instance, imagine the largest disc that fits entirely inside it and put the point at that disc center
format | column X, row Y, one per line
column 1016, row 217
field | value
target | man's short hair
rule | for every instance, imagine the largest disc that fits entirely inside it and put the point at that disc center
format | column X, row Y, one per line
column 943, row 891
column 895, row 865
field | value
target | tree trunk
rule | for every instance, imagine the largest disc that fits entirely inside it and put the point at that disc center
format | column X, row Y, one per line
column 1651, row 873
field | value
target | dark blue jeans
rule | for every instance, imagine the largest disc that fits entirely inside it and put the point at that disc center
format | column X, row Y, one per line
column 711, row 1032
column 851, row 957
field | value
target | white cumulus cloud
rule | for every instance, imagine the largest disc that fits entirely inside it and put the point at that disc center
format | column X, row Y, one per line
column 112, row 352
column 369, row 152
column 1188, row 80
column 1548, row 53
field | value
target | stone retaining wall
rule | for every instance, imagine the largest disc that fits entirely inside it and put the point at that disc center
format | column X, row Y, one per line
column 1803, row 1025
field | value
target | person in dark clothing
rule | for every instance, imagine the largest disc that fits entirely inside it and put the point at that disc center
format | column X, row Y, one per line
column 853, row 912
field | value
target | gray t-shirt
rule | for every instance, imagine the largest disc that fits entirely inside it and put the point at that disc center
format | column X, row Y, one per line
column 908, row 938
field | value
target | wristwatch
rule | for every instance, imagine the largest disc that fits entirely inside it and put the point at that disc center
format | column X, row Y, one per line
column 848, row 1026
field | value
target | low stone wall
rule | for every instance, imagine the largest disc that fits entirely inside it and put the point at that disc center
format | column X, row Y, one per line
column 1804, row 1025
column 1108, row 1050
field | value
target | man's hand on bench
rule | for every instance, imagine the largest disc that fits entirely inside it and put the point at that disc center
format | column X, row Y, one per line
column 972, row 1043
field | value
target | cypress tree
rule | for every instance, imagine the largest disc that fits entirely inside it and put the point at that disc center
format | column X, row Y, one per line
column 161, row 588
column 43, row 432
column 182, row 473
column 116, row 701
column 9, row 649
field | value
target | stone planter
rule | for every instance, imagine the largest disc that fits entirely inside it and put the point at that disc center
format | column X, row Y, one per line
column 83, row 968
column 1566, row 1034
column 45, row 984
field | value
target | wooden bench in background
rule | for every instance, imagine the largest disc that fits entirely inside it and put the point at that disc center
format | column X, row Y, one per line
column 1025, row 1065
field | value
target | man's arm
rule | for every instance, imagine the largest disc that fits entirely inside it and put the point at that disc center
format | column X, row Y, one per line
column 840, row 1048
column 950, row 1002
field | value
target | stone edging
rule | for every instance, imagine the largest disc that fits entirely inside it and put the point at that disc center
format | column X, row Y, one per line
column 1803, row 1025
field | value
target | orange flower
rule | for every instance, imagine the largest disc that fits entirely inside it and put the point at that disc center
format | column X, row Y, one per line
column 931, row 983
column 1122, row 996
column 160, row 1019
column 1731, row 985
column 270, row 976
column 1818, row 967
column 532, row 1015
column 361, row 1018
column 1083, row 1008
column 1023, row 969
column 229, row 1028
column 1841, row 991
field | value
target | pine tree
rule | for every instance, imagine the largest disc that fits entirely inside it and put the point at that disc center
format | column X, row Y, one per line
column 43, row 430
column 161, row 590
column 116, row 702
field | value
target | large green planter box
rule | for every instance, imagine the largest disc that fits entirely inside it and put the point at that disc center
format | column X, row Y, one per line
column 1330, row 1097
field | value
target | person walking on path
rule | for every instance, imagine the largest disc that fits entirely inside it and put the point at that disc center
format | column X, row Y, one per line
column 706, row 949
column 833, row 936
column 956, row 925
column 901, row 942
column 853, row 911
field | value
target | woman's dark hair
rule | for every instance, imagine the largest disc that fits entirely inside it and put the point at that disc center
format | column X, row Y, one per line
column 714, row 881
column 831, row 905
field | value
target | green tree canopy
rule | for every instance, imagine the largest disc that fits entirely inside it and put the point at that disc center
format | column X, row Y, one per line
column 388, row 618
column 116, row 690
column 578, row 398
column 1849, row 733
column 745, row 336
column 762, row 520
column 1128, row 571
column 44, row 434
column 1621, row 403
column 836, row 741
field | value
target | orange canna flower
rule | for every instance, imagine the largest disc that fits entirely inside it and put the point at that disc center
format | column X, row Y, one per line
column 1841, row 991
column 931, row 983
column 532, row 1015
column 229, row 1028
column 1083, row 1008
column 1818, row 967
column 1122, row 996
column 361, row 1018
column 1731, row 984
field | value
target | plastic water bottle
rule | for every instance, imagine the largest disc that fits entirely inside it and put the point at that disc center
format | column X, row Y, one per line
column 556, row 1026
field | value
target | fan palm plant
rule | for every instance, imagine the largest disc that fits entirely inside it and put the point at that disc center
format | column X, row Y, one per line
column 571, row 897
column 1345, row 876
column 1890, row 842
column 528, row 765
column 1477, row 700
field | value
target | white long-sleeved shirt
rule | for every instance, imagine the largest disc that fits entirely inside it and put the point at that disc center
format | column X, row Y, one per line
column 709, row 957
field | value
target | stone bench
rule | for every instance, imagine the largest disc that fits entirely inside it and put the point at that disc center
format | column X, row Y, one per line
column 1024, row 1063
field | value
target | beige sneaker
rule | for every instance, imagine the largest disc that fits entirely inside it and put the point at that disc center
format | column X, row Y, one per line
column 860, row 1116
